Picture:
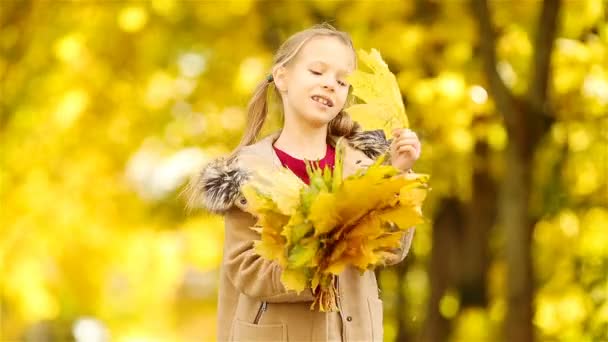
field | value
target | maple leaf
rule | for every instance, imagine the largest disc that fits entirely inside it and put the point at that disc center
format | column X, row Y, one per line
column 383, row 107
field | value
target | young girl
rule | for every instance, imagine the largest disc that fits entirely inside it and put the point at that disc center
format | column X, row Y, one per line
column 309, row 79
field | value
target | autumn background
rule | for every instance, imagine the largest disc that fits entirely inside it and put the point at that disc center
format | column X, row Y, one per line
column 107, row 107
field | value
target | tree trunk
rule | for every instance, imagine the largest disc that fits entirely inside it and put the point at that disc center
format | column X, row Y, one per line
column 447, row 229
column 404, row 332
column 514, row 219
column 526, row 120
column 481, row 217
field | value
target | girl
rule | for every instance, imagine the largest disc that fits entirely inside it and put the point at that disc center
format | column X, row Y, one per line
column 309, row 79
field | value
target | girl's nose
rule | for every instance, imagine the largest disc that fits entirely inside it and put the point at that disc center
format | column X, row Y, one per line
column 327, row 85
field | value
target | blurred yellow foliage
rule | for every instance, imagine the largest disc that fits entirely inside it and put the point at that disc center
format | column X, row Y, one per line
column 107, row 107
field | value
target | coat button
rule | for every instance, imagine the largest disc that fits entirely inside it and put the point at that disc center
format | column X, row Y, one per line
column 349, row 318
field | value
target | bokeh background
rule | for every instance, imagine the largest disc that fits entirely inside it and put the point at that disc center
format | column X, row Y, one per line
column 107, row 107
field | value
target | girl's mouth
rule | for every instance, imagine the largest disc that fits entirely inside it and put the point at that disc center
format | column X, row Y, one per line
column 322, row 100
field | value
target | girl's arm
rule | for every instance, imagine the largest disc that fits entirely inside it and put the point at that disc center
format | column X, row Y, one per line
column 374, row 144
column 251, row 274
column 217, row 188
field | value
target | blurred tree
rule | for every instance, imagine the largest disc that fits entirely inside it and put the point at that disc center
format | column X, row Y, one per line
column 527, row 120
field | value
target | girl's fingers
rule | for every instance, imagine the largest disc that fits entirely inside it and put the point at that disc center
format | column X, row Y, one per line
column 417, row 145
column 406, row 137
column 404, row 142
column 399, row 131
column 403, row 132
column 408, row 149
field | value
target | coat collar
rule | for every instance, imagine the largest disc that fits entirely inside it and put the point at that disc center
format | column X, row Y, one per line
column 217, row 186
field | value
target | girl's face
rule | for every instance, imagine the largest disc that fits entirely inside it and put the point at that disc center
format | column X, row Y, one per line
column 313, row 85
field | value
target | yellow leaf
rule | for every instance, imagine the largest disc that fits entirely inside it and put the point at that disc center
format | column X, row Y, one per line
column 374, row 116
column 403, row 216
column 339, row 249
column 296, row 228
column 280, row 187
column 377, row 186
column 412, row 196
column 364, row 258
column 256, row 201
column 272, row 222
column 338, row 165
column 269, row 249
column 323, row 213
column 299, row 231
column 360, row 256
column 369, row 227
column 387, row 241
column 295, row 279
column 352, row 254
column 302, row 254
column 380, row 91
column 338, row 266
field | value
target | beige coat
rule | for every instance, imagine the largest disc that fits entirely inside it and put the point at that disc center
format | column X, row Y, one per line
column 253, row 305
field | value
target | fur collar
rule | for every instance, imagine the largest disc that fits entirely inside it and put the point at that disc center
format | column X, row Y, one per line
column 217, row 186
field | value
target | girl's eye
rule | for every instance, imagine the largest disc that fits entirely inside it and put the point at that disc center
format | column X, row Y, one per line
column 342, row 84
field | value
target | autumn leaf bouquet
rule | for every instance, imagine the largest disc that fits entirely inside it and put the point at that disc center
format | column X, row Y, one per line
column 314, row 231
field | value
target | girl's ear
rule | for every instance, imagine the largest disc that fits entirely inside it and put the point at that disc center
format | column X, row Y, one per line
column 280, row 78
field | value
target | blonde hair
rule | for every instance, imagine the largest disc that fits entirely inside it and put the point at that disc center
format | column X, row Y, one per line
column 257, row 109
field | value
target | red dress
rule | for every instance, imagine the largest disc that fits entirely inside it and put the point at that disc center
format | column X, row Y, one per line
column 298, row 166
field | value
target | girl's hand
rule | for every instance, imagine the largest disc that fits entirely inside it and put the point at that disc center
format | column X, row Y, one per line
column 405, row 149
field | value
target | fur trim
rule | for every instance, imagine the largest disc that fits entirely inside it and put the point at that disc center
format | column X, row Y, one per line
column 371, row 143
column 218, row 185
